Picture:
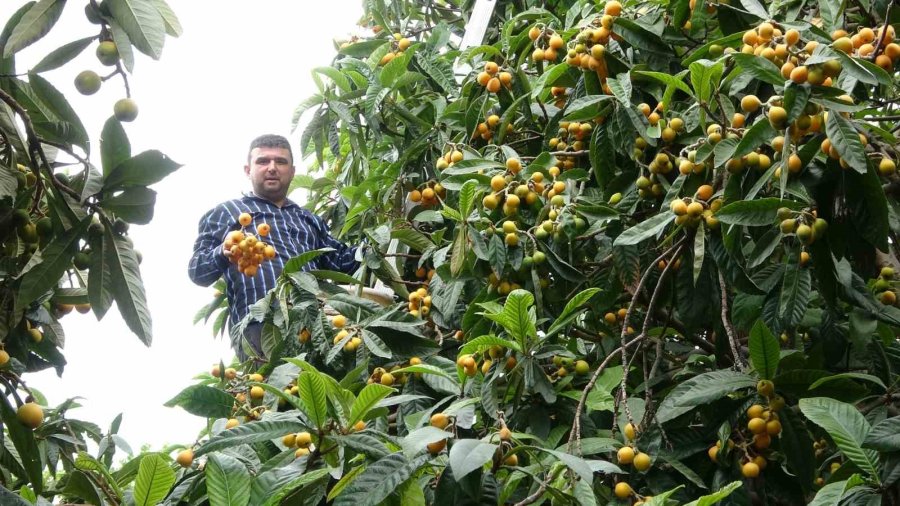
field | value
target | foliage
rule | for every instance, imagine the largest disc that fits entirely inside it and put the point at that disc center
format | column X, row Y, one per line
column 640, row 249
column 64, row 238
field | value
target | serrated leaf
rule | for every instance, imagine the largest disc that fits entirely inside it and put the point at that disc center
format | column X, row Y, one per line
column 702, row 389
column 379, row 480
column 644, row 230
column 154, row 479
column 368, row 398
column 248, row 433
column 143, row 169
column 135, row 205
column 46, row 267
column 37, row 22
column 847, row 427
column 203, row 400
column 845, row 139
column 173, row 25
column 884, row 436
column 760, row 68
column 517, row 316
column 467, row 455
column 127, row 286
column 62, row 55
column 572, row 310
column 754, row 213
column 764, row 350
column 311, row 388
column 115, row 149
column 143, row 23
column 227, row 480
column 718, row 495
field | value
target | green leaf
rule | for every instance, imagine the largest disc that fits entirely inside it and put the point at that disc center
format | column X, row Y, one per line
column 379, row 480
column 62, row 55
column 100, row 287
column 794, row 295
column 271, row 488
column 644, row 230
column 312, row 391
column 518, row 316
column 702, row 389
column 49, row 265
column 173, row 26
column 699, row 252
column 718, row 495
column 760, row 68
column 142, row 22
column 830, row 12
column 10, row 499
column 754, row 213
column 203, row 400
column 458, row 254
column 134, row 205
column 884, row 436
column 848, row 375
column 572, row 310
column 467, row 196
column 85, row 462
column 248, row 433
column 153, row 480
column 412, row 238
column 765, row 351
column 68, row 127
column 227, row 481
column 142, row 170
column 467, row 455
column 36, row 22
column 845, row 139
column 847, row 427
column 114, row 146
column 368, row 398
column 394, row 69
column 23, row 440
column 667, row 79
column 296, row 264
column 123, row 44
column 761, row 132
column 705, row 75
column 831, row 494
column 127, row 286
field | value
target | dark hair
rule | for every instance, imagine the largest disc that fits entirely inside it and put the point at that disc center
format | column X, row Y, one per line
column 270, row 141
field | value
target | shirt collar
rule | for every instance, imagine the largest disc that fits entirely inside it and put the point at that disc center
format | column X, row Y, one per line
column 287, row 202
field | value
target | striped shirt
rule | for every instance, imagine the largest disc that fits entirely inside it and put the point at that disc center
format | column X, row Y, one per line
column 294, row 230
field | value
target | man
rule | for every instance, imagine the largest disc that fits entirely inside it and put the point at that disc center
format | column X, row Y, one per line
column 294, row 230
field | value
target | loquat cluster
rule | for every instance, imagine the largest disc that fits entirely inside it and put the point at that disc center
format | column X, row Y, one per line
column 246, row 250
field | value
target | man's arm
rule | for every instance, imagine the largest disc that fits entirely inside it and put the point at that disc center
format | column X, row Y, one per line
column 209, row 261
column 343, row 258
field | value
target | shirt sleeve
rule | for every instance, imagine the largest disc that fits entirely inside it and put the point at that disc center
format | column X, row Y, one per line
column 343, row 258
column 208, row 262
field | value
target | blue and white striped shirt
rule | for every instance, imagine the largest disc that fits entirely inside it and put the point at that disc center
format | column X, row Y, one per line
column 294, row 230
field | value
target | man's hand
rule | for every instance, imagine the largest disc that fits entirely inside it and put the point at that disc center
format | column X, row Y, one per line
column 226, row 251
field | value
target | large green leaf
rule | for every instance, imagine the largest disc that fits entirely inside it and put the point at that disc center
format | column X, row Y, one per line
column 379, row 480
column 760, row 68
column 69, row 128
column 467, row 455
column 572, row 310
column 250, row 433
column 143, row 23
column 227, row 480
column 153, row 480
column 702, row 389
column 368, row 398
column 518, row 316
column 644, row 230
column 203, row 400
column 884, row 436
column 754, row 213
column 764, row 350
column 62, row 55
column 271, row 488
column 312, row 391
column 173, row 25
column 49, row 265
column 134, row 205
column 845, row 139
column 36, row 22
column 715, row 497
column 100, row 292
column 127, row 286
column 23, row 440
column 142, row 170
column 115, row 149
column 847, row 427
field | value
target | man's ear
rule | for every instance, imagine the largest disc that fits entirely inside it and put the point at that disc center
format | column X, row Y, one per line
column 247, row 170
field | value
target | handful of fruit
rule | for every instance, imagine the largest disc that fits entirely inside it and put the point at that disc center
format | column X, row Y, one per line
column 247, row 251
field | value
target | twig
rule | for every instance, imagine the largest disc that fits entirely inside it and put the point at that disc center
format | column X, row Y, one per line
column 729, row 329
column 884, row 30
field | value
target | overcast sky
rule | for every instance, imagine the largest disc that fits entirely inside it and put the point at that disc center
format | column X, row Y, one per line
column 236, row 72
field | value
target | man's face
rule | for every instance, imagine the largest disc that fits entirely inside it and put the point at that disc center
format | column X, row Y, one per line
column 270, row 171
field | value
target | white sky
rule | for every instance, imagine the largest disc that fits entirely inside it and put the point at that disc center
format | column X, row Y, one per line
column 236, row 72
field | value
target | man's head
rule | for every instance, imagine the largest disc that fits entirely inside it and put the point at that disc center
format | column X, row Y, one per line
column 270, row 167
